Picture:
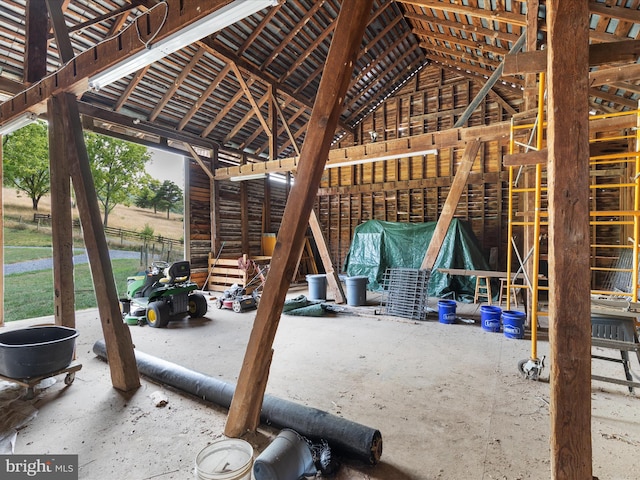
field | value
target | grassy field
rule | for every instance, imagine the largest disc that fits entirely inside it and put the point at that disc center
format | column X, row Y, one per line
column 24, row 241
column 37, row 287
column 128, row 218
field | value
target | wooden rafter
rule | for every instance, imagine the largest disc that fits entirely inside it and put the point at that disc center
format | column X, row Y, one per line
column 292, row 33
column 250, row 114
column 487, row 14
column 221, row 52
column 462, row 56
column 256, row 108
column 176, row 84
column 463, row 43
column 462, row 27
column 133, row 83
column 375, row 99
column 302, row 58
column 378, row 62
column 204, row 96
column 613, row 11
column 222, row 113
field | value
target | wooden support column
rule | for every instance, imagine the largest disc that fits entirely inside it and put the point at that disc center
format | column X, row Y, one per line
column 569, row 274
column 449, row 208
column 61, row 221
column 35, row 54
column 244, row 413
column 122, row 361
column 333, row 282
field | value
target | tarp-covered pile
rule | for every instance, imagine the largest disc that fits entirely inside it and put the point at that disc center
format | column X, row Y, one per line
column 379, row 245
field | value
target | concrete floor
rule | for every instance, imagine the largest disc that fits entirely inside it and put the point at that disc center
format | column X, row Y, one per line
column 447, row 398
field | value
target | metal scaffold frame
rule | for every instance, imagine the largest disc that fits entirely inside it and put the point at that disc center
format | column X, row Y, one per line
column 606, row 255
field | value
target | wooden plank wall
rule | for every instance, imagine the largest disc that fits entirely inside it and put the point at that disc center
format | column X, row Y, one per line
column 415, row 189
column 405, row 190
column 200, row 217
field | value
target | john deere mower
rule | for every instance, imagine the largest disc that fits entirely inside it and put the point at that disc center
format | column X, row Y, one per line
column 163, row 293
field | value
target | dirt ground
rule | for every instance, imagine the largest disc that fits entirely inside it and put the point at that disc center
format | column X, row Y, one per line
column 447, row 399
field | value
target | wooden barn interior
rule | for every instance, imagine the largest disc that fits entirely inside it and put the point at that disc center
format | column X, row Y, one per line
column 304, row 119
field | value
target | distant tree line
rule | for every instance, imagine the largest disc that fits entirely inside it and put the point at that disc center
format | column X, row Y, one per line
column 118, row 169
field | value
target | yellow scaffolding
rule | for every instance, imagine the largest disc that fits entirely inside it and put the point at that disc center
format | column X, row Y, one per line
column 615, row 232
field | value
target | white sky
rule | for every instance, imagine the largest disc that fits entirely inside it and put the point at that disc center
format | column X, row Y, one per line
column 166, row 166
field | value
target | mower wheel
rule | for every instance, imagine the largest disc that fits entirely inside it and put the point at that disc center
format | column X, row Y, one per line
column 237, row 306
column 197, row 305
column 158, row 314
column 218, row 303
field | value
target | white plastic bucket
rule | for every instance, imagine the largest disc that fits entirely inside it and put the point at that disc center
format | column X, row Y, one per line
column 225, row 459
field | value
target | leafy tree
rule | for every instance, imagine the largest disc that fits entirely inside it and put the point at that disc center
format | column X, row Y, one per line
column 170, row 194
column 26, row 161
column 117, row 167
column 147, row 196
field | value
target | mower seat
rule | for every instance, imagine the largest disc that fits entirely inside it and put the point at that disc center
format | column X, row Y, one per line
column 178, row 272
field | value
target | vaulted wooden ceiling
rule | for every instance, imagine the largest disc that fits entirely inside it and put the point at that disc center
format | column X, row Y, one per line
column 213, row 89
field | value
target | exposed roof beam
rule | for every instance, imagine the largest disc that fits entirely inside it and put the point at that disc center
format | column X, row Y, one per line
column 375, row 99
column 73, row 76
column 621, row 13
column 248, row 116
column 205, row 95
column 252, row 101
column 222, row 113
column 614, row 74
column 613, row 98
column 221, row 52
column 141, row 125
column 176, row 84
column 285, row 41
column 379, row 59
column 462, row 54
column 372, row 152
column 137, row 77
column 491, row 15
column 599, row 53
column 463, row 27
column 462, row 42
column 472, row 71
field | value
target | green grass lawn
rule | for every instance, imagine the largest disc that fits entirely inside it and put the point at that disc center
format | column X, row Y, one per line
column 25, row 254
column 21, row 236
column 29, row 295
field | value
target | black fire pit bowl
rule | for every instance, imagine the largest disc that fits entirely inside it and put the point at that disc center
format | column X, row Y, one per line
column 36, row 351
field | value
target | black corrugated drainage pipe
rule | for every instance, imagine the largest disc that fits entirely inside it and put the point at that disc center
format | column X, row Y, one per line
column 344, row 436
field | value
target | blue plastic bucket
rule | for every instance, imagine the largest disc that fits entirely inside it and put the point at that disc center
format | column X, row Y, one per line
column 490, row 318
column 446, row 311
column 513, row 324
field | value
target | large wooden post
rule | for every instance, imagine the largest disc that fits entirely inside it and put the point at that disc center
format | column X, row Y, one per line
column 122, row 361
column 244, row 413
column 569, row 278
column 61, row 221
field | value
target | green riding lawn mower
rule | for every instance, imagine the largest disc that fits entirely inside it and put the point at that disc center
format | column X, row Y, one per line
column 163, row 293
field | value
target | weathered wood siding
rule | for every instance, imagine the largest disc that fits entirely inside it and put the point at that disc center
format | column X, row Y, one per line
column 411, row 189
column 414, row 189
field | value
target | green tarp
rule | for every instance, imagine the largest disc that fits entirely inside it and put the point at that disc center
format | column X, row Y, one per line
column 377, row 245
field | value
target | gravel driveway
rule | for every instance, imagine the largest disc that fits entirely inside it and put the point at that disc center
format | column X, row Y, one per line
column 47, row 263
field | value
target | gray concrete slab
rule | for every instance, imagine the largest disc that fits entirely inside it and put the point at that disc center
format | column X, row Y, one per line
column 447, row 398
